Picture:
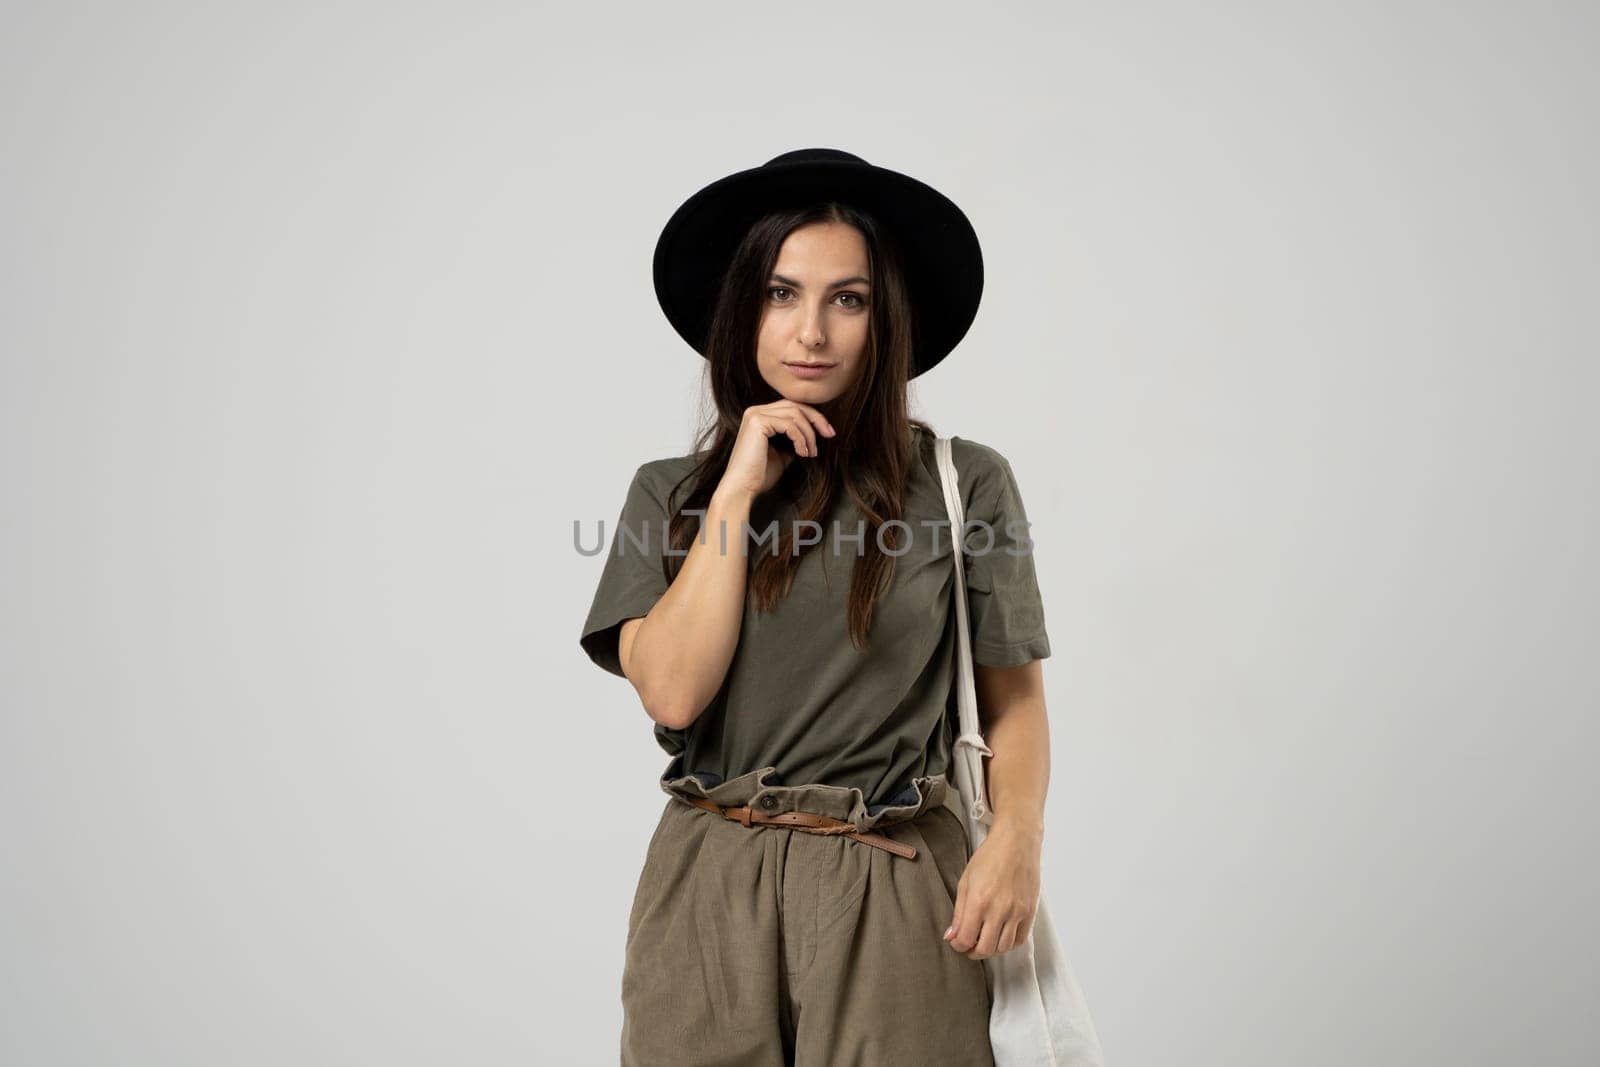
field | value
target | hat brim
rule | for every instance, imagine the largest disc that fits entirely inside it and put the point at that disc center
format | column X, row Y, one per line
column 939, row 247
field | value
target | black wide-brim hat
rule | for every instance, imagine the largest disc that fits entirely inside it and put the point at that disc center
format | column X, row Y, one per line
column 938, row 246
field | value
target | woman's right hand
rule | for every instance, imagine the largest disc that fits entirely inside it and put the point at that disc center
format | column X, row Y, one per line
column 755, row 466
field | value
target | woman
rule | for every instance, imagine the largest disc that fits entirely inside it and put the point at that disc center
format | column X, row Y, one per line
column 808, row 897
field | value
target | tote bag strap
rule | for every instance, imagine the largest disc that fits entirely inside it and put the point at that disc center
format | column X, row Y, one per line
column 969, row 747
column 1038, row 1016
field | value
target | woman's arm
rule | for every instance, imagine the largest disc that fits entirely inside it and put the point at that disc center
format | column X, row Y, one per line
column 677, row 655
column 1016, row 728
column 998, row 894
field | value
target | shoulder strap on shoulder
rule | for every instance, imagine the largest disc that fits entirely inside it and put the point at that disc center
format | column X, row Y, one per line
column 969, row 747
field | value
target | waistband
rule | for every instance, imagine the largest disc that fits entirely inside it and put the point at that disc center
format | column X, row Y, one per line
column 807, row 822
column 763, row 792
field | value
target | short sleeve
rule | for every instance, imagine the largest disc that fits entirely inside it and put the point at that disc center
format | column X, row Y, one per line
column 1005, row 608
column 631, row 580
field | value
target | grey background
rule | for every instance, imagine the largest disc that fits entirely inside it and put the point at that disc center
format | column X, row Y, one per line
column 321, row 325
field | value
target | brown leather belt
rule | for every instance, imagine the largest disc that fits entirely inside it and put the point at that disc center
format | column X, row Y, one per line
column 808, row 822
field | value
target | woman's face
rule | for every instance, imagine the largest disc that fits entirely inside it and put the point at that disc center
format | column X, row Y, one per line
column 814, row 320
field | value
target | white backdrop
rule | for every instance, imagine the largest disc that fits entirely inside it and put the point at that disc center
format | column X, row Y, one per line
column 322, row 324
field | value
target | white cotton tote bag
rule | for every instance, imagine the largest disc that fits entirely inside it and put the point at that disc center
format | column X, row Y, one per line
column 1039, row 1017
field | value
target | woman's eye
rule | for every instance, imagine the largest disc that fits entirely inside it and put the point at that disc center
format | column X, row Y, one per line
column 781, row 292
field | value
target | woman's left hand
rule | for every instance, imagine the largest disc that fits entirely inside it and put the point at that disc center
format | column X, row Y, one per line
column 998, row 894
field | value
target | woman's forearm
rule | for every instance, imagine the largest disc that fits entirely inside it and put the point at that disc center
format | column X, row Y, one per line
column 678, row 655
column 1017, row 729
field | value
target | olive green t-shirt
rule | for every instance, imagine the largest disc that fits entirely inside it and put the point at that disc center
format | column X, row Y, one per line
column 798, row 695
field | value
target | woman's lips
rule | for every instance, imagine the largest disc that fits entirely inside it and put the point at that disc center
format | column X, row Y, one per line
column 809, row 370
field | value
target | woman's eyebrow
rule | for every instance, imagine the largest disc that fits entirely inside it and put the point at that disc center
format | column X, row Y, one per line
column 854, row 279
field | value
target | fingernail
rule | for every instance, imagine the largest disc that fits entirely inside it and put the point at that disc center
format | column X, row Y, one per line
column 948, row 932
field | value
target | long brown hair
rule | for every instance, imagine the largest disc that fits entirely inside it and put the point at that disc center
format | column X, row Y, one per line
column 871, row 454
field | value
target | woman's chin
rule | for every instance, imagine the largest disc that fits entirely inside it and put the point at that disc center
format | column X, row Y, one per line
column 805, row 392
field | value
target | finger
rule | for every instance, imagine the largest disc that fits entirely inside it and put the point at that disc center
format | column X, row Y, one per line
column 791, row 426
column 989, row 938
column 814, row 417
column 805, row 438
column 1008, row 939
column 969, row 929
column 808, row 433
column 955, row 920
column 775, row 423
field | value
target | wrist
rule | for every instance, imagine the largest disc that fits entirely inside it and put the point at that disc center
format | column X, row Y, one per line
column 731, row 498
column 1021, row 823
